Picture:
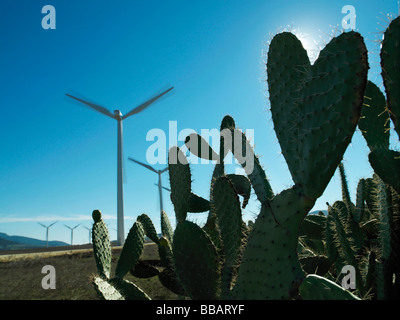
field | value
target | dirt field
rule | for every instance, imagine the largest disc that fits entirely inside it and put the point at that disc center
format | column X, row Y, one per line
column 21, row 275
column 43, row 250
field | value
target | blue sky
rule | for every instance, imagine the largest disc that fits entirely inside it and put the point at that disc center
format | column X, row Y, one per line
column 58, row 158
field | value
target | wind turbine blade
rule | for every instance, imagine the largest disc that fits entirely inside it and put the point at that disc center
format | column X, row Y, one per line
column 94, row 106
column 42, row 225
column 76, row 226
column 169, row 190
column 163, row 170
column 145, row 104
column 144, row 165
column 53, row 223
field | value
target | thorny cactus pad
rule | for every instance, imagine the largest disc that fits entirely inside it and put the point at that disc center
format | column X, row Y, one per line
column 385, row 162
column 116, row 288
column 374, row 122
column 196, row 261
column 390, row 57
column 101, row 245
column 315, row 108
column 270, row 268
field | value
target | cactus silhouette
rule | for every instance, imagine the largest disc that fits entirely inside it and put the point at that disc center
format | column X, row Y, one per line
column 315, row 110
column 314, row 128
column 378, row 109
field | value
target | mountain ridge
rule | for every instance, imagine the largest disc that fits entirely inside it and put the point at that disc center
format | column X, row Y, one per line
column 8, row 242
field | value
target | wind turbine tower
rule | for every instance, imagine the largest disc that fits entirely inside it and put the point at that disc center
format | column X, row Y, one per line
column 117, row 115
column 47, row 232
column 72, row 231
column 159, row 172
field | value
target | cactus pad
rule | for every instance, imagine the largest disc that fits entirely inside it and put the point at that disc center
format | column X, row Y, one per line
column 270, row 268
column 128, row 289
column 390, row 63
column 227, row 208
column 374, row 122
column 386, row 164
column 315, row 287
column 101, row 246
column 180, row 181
column 166, row 227
column 148, row 227
column 106, row 290
column 131, row 250
column 315, row 108
column 196, row 262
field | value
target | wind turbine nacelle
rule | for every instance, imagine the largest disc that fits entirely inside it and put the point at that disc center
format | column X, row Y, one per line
column 118, row 114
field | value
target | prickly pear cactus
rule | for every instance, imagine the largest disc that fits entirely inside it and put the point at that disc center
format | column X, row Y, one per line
column 180, row 181
column 390, row 54
column 151, row 268
column 364, row 236
column 196, row 261
column 374, row 122
column 316, row 108
column 116, row 288
column 131, row 250
column 315, row 287
column 101, row 245
column 385, row 162
column 227, row 208
column 270, row 268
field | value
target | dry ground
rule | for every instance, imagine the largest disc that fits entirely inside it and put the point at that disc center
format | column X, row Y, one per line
column 21, row 277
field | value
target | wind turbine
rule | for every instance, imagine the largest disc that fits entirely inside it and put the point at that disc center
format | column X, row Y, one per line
column 47, row 232
column 159, row 172
column 117, row 115
column 72, row 231
column 90, row 233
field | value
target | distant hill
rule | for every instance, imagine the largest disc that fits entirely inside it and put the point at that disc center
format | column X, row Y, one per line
column 325, row 212
column 18, row 242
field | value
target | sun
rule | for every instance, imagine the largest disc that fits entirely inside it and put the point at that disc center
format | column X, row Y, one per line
column 309, row 43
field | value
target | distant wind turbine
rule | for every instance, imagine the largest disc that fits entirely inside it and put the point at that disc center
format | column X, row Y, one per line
column 72, row 231
column 159, row 172
column 47, row 232
column 90, row 233
column 117, row 115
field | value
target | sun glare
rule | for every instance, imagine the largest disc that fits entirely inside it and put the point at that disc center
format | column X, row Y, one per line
column 310, row 44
